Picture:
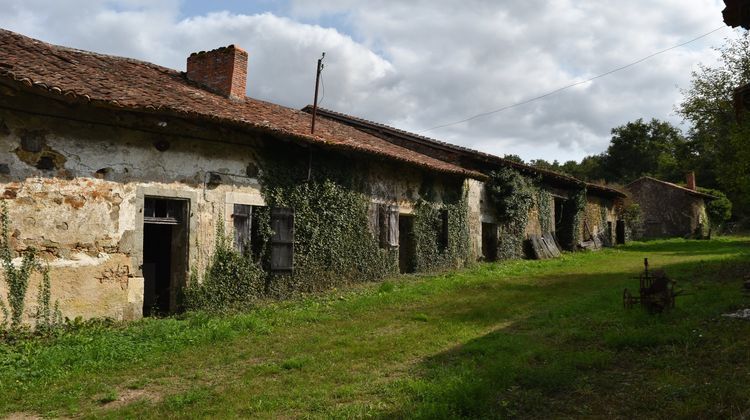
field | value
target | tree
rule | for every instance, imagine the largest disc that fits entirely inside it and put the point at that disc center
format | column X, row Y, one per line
column 719, row 210
column 544, row 164
column 513, row 158
column 718, row 143
column 639, row 148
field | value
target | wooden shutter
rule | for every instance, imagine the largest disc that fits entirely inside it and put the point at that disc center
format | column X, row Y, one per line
column 393, row 226
column 282, row 241
column 242, row 220
column 388, row 225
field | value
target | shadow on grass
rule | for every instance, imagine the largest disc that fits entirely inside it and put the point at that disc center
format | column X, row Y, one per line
column 576, row 335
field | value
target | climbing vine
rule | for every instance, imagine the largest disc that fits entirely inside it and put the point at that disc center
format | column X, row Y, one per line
column 431, row 253
column 17, row 280
column 569, row 233
column 333, row 244
column 544, row 202
column 512, row 196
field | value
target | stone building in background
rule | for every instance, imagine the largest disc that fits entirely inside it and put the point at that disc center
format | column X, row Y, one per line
column 670, row 210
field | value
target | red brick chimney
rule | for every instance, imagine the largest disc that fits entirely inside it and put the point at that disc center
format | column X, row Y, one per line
column 690, row 178
column 223, row 70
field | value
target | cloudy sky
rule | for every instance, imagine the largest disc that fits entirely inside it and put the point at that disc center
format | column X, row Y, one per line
column 423, row 63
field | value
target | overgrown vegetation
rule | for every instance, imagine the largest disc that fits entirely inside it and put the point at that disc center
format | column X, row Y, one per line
column 512, row 196
column 569, row 233
column 231, row 280
column 333, row 245
column 719, row 211
column 431, row 253
column 47, row 316
column 545, row 203
column 523, row 339
column 17, row 278
column 333, row 242
column 630, row 213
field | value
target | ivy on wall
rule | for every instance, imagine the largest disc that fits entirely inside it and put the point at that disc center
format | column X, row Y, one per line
column 428, row 226
column 512, row 196
column 544, row 202
column 569, row 233
column 333, row 244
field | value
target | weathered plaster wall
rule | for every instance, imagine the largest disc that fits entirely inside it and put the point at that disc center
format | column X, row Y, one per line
column 84, row 214
column 76, row 192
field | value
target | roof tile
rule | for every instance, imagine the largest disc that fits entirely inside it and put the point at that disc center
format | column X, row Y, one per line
column 141, row 86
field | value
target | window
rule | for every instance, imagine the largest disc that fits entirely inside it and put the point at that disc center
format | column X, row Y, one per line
column 282, row 241
column 388, row 226
column 161, row 211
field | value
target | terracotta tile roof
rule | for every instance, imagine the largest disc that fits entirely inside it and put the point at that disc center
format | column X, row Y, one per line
column 103, row 80
column 382, row 128
column 679, row 187
column 406, row 135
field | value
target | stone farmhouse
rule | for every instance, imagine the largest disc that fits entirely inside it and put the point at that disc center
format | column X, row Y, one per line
column 121, row 172
column 670, row 210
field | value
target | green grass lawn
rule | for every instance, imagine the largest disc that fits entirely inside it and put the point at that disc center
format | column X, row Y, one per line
column 511, row 339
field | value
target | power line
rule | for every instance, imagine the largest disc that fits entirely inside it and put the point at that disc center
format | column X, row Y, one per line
column 536, row 98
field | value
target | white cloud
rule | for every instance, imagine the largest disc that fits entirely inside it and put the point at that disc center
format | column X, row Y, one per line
column 422, row 63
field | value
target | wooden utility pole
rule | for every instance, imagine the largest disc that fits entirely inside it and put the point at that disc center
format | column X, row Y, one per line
column 315, row 100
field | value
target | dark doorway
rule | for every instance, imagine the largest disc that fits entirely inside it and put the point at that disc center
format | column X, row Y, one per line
column 565, row 228
column 609, row 233
column 165, row 252
column 620, row 232
column 559, row 203
column 406, row 245
column 489, row 241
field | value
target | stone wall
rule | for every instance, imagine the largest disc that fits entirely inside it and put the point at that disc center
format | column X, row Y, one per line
column 597, row 213
column 76, row 193
column 667, row 211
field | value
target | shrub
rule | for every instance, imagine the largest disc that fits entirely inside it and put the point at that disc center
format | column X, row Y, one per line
column 231, row 280
column 719, row 211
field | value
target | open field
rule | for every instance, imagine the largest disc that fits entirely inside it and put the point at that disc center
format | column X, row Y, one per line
column 522, row 338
